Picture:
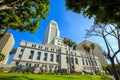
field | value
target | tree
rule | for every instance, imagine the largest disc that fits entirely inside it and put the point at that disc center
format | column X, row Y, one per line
column 2, row 57
column 69, row 43
column 92, row 46
column 65, row 41
column 74, row 46
column 104, row 11
column 23, row 15
column 87, row 50
column 103, row 31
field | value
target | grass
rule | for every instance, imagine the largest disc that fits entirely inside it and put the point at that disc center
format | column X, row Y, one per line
column 13, row 76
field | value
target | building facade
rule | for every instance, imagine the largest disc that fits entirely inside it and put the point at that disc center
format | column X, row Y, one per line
column 97, row 51
column 53, row 57
column 6, row 45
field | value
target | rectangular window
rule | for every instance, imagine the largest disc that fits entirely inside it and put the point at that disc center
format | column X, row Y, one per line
column 51, row 57
column 20, row 55
column 22, row 50
column 17, row 62
column 95, row 63
column 92, row 63
column 76, row 60
column 51, row 49
column 45, row 48
column 39, row 55
column 32, row 45
column 30, row 64
column 86, row 62
column 57, row 58
column 83, row 62
column 72, row 60
column 31, row 54
column 26, row 64
column 67, row 59
column 35, row 65
column 89, row 62
column 45, row 56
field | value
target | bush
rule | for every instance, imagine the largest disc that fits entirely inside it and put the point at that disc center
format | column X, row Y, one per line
column 1, row 69
column 12, row 69
column 45, row 70
column 29, row 70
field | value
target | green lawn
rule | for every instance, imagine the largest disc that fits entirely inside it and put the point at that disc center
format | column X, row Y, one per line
column 13, row 76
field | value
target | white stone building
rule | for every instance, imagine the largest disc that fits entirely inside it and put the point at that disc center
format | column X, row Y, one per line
column 52, row 35
column 53, row 54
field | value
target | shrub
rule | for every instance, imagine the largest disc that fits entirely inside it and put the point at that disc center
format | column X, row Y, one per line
column 55, row 69
column 12, row 69
column 1, row 69
column 45, row 70
column 29, row 70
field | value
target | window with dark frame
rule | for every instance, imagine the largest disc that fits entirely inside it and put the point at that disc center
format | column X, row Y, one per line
column 35, row 65
column 45, row 56
column 26, row 64
column 20, row 55
column 30, row 64
column 31, row 54
column 57, row 58
column 32, row 45
column 51, row 57
column 89, row 62
column 95, row 63
column 83, row 62
column 76, row 60
column 39, row 55
column 22, row 50
column 67, row 59
column 72, row 60
column 17, row 62
column 86, row 62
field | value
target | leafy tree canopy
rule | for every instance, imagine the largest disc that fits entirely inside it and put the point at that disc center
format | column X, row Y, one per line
column 23, row 15
column 104, row 11
column 1, row 57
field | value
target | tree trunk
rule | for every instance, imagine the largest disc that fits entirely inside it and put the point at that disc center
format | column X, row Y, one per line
column 69, row 61
column 94, row 67
column 73, row 66
column 91, row 66
column 114, row 70
column 92, row 71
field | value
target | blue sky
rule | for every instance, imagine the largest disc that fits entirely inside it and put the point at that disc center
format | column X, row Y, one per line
column 71, row 25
